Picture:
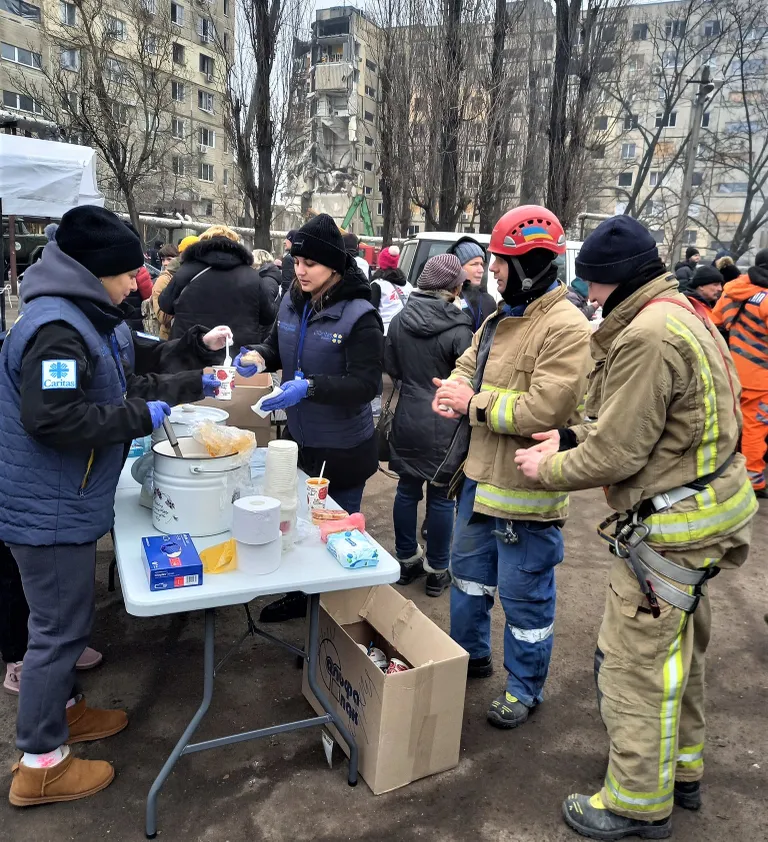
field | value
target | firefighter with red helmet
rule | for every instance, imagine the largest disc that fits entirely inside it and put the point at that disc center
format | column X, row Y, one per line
column 526, row 371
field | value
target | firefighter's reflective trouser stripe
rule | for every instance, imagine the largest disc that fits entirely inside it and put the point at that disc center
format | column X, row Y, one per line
column 523, row 574
column 754, row 409
column 650, row 678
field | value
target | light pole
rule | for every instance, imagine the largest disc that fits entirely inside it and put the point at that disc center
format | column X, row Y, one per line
column 702, row 95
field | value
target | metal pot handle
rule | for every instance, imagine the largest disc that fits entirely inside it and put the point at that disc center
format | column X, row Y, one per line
column 196, row 469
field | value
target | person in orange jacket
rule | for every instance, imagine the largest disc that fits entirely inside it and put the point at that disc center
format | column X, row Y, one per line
column 742, row 312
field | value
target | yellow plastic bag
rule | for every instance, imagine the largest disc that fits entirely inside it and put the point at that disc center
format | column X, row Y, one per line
column 220, row 559
column 224, row 441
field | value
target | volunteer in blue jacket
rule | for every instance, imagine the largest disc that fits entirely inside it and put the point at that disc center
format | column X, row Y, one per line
column 329, row 342
column 68, row 405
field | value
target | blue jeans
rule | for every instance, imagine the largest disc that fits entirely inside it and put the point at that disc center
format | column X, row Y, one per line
column 440, row 511
column 349, row 499
column 524, row 575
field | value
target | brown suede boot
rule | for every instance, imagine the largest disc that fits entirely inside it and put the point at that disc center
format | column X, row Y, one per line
column 66, row 781
column 87, row 724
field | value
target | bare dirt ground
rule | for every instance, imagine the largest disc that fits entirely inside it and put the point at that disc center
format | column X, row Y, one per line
column 507, row 787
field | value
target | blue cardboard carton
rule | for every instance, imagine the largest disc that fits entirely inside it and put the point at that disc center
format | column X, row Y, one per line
column 171, row 561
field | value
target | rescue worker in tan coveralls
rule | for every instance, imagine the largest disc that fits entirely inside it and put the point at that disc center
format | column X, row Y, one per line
column 664, row 404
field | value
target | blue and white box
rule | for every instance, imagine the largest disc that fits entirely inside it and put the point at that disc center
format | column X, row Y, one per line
column 171, row 561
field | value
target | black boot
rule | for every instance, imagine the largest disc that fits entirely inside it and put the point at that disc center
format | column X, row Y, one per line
column 424, row 529
column 587, row 816
column 437, row 582
column 480, row 667
column 507, row 712
column 293, row 606
column 411, row 568
column 688, row 794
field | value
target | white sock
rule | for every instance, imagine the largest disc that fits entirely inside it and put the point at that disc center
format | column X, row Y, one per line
column 45, row 761
column 72, row 702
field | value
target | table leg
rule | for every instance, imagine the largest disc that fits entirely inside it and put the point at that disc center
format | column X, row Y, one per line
column 208, row 661
column 312, row 653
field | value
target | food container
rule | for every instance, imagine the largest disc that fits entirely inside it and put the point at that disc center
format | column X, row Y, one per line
column 186, row 416
column 193, row 493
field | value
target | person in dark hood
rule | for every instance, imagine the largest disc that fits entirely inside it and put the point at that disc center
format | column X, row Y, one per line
column 685, row 268
column 217, row 284
column 703, row 289
column 286, row 266
column 425, row 339
column 472, row 257
column 70, row 401
column 328, row 341
column 154, row 254
column 578, row 295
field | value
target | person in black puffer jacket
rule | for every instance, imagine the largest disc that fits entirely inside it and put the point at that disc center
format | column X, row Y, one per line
column 217, row 284
column 424, row 340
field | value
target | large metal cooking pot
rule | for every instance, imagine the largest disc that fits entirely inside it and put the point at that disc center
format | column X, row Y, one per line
column 186, row 416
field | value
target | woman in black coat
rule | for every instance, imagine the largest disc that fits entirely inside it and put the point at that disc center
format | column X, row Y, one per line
column 217, row 284
column 424, row 341
column 478, row 303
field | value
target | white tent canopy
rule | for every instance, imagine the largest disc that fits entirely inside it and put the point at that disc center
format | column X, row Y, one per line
column 46, row 178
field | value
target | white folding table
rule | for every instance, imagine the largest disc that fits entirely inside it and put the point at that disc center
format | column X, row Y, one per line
column 307, row 567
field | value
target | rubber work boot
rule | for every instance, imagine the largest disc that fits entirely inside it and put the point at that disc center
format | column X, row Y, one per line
column 480, row 667
column 87, row 724
column 293, row 606
column 688, row 794
column 590, row 817
column 66, row 781
column 411, row 568
column 507, row 711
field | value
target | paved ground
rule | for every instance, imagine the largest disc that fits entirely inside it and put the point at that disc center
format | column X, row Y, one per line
column 507, row 787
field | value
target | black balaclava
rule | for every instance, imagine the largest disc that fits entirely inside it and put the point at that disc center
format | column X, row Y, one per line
column 539, row 272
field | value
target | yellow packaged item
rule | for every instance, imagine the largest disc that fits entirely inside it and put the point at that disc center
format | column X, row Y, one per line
column 220, row 558
column 224, row 441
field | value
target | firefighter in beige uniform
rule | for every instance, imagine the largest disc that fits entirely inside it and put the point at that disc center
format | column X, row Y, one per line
column 664, row 395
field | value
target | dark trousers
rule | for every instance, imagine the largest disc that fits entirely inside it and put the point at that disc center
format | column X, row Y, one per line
column 59, row 583
column 14, row 611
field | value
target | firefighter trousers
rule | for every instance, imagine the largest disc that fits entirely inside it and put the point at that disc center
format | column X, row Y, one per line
column 754, row 409
column 650, row 684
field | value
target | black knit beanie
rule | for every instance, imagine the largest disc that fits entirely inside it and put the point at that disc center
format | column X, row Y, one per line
column 320, row 240
column 704, row 275
column 99, row 240
column 690, row 252
column 614, row 252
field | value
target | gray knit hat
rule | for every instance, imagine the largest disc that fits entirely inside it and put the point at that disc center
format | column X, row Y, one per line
column 443, row 271
column 467, row 250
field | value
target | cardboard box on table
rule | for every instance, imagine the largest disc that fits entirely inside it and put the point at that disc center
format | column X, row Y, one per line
column 247, row 391
column 408, row 724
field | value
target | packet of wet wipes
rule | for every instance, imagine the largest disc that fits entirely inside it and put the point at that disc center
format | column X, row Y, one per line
column 353, row 549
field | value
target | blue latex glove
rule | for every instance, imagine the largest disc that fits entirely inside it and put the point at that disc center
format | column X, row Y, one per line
column 210, row 385
column 245, row 370
column 293, row 392
column 158, row 410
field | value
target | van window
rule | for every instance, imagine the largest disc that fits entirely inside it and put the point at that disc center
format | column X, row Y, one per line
column 407, row 254
column 429, row 248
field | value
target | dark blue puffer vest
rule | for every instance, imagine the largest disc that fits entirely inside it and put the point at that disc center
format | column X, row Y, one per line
column 49, row 496
column 314, row 424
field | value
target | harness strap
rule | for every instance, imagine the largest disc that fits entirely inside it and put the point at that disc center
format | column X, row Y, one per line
column 667, row 499
column 664, row 567
column 664, row 590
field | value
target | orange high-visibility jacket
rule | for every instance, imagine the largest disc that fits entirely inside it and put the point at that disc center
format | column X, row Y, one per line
column 748, row 329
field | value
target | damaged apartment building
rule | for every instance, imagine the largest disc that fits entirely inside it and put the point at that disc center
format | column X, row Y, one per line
column 333, row 168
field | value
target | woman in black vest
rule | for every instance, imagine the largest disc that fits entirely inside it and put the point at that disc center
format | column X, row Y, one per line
column 328, row 341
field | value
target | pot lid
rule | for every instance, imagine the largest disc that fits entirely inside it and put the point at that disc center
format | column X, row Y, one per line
column 189, row 413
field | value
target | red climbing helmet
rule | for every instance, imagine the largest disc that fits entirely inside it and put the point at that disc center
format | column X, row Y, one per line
column 525, row 228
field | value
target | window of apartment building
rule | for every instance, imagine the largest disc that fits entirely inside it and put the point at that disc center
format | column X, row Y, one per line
column 207, row 207
column 656, row 209
column 380, row 209
column 607, row 34
column 226, row 7
column 701, row 150
column 368, row 117
column 630, row 122
column 669, row 121
column 27, row 11
column 226, row 178
column 19, row 55
column 121, row 113
column 368, row 191
column 601, row 124
column 69, row 102
column 674, row 28
column 70, row 59
column 149, row 6
column 658, row 235
column 698, row 179
column 628, row 151
column 754, row 33
column 178, row 128
column 205, row 101
column 368, row 141
column 753, row 66
column 594, row 205
column 669, row 59
column 115, row 28
column 225, row 144
column 654, row 178
column 732, row 187
column 19, row 102
column 473, row 182
column 413, row 230
column 640, row 32
column 179, row 165
column 207, row 137
column 206, row 64
column 546, row 42
column 738, row 126
column 475, row 155
column 369, row 91
column 369, row 166
column 178, row 54
column 705, row 120
column 625, row 179
column 67, row 13
column 226, row 41
column 150, row 44
column 205, row 30
column 711, row 28
column 598, row 152
column 177, row 14
column 206, row 172
column 689, row 237
column 178, row 91
column 113, row 70
column 634, row 64
column 371, row 65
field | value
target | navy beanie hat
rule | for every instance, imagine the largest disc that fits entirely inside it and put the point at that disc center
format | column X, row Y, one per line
column 615, row 250
column 99, row 240
column 320, row 240
column 704, row 275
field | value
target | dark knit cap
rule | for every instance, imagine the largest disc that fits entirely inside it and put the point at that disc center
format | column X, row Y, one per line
column 690, row 252
column 615, row 250
column 290, row 235
column 351, row 243
column 761, row 258
column 443, row 271
column 704, row 275
column 99, row 240
column 320, row 240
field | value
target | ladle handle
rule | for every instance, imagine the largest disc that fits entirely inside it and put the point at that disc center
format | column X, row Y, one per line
column 169, row 431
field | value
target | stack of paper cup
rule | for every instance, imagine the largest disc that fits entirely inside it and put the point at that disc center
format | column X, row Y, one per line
column 280, row 475
column 256, row 528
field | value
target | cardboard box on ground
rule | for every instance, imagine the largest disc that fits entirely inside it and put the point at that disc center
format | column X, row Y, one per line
column 246, row 393
column 408, row 724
